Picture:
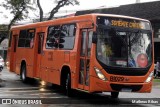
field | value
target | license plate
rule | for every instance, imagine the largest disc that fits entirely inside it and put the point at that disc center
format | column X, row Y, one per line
column 126, row 90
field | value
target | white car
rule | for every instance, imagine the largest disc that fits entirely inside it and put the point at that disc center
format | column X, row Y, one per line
column 1, row 62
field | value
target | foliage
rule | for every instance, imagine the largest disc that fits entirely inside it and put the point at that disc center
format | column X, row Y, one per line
column 60, row 4
column 157, row 80
column 18, row 8
column 3, row 32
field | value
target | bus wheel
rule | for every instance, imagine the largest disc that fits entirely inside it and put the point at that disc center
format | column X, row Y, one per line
column 68, row 85
column 23, row 74
column 114, row 94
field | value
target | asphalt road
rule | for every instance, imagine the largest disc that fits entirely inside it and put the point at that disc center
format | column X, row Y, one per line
column 40, row 94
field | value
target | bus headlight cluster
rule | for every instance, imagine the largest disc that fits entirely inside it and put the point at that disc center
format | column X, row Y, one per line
column 149, row 77
column 99, row 74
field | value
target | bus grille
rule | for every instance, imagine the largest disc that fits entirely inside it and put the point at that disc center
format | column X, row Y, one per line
column 118, row 87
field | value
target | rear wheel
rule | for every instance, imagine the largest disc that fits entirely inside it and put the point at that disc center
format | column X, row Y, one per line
column 68, row 85
column 23, row 74
column 114, row 94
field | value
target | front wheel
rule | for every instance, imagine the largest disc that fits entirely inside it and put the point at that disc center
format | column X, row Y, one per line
column 114, row 94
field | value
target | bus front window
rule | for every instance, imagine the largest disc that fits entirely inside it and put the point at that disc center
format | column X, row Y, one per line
column 124, row 48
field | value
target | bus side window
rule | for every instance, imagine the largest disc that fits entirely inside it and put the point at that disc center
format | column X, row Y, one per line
column 22, row 37
column 40, row 42
column 83, row 44
column 52, row 37
column 26, row 38
column 30, row 38
column 67, row 36
column 10, row 39
column 89, row 43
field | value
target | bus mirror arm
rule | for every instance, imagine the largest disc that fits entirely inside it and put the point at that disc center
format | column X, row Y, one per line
column 94, row 37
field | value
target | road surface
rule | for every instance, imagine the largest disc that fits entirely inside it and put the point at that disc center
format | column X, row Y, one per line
column 41, row 94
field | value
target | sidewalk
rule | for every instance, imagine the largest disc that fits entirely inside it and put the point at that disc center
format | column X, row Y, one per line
column 5, row 75
column 156, row 83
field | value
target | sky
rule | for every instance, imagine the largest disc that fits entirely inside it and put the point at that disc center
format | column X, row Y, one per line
column 47, row 5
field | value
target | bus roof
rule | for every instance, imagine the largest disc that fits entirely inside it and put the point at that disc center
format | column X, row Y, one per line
column 121, row 16
column 70, row 20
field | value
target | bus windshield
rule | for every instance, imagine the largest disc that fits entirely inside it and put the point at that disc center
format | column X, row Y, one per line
column 124, row 47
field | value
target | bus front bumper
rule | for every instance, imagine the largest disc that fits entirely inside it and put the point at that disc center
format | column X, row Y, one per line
column 98, row 85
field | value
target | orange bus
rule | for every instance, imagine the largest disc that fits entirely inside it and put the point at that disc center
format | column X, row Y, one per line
column 91, row 53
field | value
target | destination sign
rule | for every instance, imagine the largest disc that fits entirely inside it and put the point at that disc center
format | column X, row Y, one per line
column 120, row 23
column 123, row 22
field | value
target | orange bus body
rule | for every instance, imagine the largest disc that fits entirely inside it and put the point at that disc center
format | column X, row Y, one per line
column 53, row 64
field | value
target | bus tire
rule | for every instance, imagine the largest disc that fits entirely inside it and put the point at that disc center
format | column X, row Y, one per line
column 114, row 94
column 68, row 85
column 23, row 74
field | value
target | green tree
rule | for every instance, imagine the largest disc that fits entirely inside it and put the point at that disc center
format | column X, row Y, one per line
column 60, row 4
column 18, row 8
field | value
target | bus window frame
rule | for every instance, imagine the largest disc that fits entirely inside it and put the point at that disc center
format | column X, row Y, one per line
column 27, row 30
column 32, row 38
column 60, row 26
column 46, row 47
column 75, row 26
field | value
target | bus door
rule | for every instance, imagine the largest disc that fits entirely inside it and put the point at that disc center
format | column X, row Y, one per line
column 40, row 36
column 13, row 53
column 85, row 53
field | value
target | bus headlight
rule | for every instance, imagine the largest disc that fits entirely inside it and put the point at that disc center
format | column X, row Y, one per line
column 99, row 74
column 149, row 77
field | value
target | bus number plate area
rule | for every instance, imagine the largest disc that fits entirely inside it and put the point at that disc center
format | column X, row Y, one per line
column 116, row 78
column 121, row 88
column 126, row 90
